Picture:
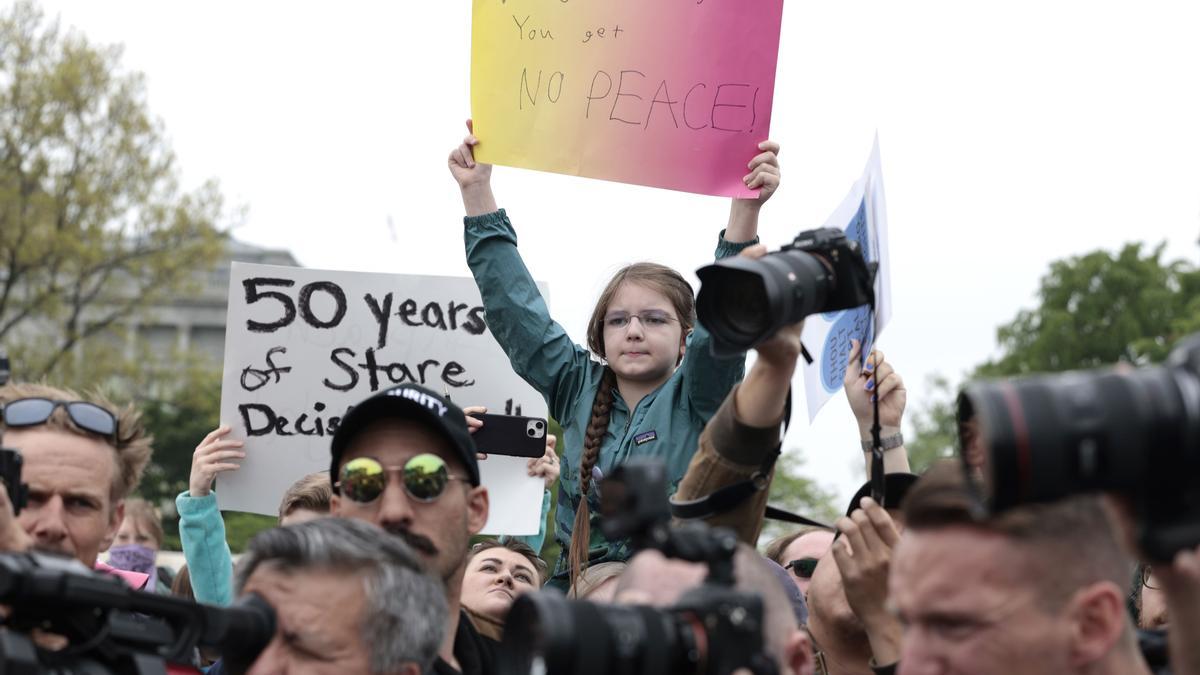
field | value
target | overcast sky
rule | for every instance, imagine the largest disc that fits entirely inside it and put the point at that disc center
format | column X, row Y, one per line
column 1011, row 134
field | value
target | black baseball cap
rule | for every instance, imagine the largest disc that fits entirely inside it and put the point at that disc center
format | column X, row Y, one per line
column 896, row 486
column 408, row 402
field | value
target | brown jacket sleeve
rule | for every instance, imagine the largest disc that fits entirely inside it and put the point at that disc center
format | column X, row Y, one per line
column 731, row 452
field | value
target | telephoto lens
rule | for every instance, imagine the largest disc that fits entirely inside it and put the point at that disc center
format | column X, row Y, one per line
column 546, row 633
column 743, row 301
column 1134, row 433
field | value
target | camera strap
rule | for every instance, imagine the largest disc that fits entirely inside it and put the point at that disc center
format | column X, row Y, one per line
column 878, row 483
column 731, row 496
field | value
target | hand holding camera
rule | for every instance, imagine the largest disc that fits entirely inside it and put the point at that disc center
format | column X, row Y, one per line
column 13, row 537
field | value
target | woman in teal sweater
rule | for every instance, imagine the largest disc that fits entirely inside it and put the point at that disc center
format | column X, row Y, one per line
column 658, row 383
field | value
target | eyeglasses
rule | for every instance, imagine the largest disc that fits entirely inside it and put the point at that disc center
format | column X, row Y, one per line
column 1148, row 579
column 29, row 412
column 802, row 568
column 363, row 479
column 651, row 318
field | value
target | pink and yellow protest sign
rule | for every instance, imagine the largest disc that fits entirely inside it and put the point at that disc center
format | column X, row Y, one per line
column 669, row 93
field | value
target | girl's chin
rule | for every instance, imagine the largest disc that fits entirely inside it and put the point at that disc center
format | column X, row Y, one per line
column 637, row 372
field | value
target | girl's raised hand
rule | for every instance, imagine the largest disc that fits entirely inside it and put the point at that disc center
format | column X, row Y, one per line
column 764, row 171
column 466, row 171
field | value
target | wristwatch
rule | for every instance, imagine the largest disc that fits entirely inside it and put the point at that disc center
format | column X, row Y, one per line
column 887, row 442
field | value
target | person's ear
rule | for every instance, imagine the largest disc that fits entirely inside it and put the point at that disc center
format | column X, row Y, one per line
column 477, row 509
column 798, row 654
column 115, row 517
column 335, row 505
column 1097, row 620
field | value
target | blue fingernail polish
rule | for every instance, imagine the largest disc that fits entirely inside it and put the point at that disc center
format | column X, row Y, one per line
column 870, row 384
column 869, row 367
column 873, row 398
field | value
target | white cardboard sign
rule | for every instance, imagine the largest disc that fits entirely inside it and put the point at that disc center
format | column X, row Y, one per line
column 302, row 346
column 863, row 215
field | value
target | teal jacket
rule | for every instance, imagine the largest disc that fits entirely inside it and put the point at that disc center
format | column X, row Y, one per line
column 665, row 424
column 205, row 550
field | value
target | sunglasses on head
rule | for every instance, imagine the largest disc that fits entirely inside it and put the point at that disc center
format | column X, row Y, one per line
column 803, row 568
column 29, row 412
column 363, row 479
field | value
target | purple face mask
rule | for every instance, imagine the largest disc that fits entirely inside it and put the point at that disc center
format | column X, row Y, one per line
column 134, row 558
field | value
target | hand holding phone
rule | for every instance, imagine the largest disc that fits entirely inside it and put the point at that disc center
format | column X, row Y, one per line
column 511, row 435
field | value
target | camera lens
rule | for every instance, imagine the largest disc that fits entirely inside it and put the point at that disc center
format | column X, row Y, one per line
column 742, row 301
column 550, row 634
column 1051, row 436
column 539, row 424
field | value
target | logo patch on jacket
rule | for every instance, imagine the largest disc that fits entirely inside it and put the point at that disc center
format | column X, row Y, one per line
column 642, row 439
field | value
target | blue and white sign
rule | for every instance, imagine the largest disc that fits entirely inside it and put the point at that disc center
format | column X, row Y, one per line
column 863, row 216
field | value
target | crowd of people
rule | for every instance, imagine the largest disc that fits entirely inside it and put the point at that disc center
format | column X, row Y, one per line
column 376, row 566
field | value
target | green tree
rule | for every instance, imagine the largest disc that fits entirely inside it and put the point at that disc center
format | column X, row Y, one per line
column 1101, row 308
column 1093, row 310
column 94, row 227
column 935, row 429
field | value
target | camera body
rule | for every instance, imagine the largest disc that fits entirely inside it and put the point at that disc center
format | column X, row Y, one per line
column 712, row 629
column 111, row 628
column 744, row 301
column 853, row 277
column 10, row 460
column 1136, row 434
column 10, row 472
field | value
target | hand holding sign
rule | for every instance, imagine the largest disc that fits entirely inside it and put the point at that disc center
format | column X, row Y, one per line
column 764, row 172
column 864, row 383
column 213, row 456
column 473, row 178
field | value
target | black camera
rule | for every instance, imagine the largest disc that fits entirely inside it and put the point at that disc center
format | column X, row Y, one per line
column 110, row 628
column 743, row 301
column 10, row 460
column 1135, row 433
column 713, row 629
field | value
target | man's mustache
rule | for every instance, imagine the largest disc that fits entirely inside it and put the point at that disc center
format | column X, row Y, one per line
column 416, row 541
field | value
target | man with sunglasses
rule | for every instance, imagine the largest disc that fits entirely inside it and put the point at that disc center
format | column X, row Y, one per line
column 404, row 460
column 799, row 551
column 81, row 460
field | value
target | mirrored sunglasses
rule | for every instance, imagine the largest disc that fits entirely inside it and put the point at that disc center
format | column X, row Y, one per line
column 802, row 568
column 425, row 477
column 28, row 412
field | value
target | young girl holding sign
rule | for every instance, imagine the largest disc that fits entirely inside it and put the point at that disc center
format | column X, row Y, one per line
column 658, row 384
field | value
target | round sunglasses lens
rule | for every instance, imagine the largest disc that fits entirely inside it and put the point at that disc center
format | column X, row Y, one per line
column 425, row 476
column 93, row 418
column 806, row 567
column 28, row 411
column 363, row 479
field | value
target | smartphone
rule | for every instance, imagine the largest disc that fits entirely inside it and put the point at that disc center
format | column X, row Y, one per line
column 511, row 435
